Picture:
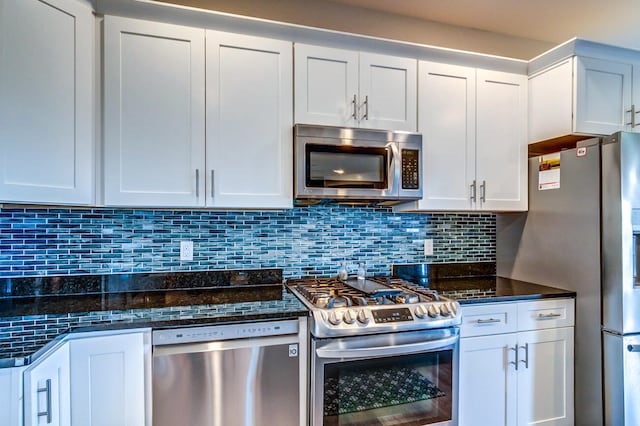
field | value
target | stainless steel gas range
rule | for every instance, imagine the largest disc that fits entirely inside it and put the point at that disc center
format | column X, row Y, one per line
column 384, row 351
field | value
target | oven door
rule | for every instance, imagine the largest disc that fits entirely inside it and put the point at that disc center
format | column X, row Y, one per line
column 408, row 378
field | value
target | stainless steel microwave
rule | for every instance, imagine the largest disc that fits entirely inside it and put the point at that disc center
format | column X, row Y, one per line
column 347, row 164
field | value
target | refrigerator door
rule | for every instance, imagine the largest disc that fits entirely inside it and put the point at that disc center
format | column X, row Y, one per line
column 557, row 243
column 620, row 228
column 621, row 356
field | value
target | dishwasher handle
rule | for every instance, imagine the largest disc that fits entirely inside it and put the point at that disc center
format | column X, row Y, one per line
column 376, row 351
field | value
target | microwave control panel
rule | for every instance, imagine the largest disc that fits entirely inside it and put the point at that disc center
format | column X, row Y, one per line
column 410, row 169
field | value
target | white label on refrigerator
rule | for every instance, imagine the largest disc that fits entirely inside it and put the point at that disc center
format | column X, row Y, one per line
column 549, row 171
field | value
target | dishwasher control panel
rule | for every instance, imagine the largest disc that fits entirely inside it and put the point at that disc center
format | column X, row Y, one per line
column 212, row 333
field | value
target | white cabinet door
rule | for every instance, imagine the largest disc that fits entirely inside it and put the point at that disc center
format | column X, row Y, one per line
column 154, row 126
column 108, row 381
column 603, row 95
column 11, row 396
column 46, row 102
column 488, row 380
column 47, row 390
column 501, row 144
column 326, row 86
column 551, row 102
column 545, row 377
column 249, row 122
column 388, row 92
column 447, row 121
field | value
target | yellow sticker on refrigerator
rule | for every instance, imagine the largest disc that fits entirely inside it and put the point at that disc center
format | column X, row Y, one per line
column 549, row 171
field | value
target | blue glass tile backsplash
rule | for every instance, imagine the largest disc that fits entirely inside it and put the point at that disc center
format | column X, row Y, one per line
column 304, row 241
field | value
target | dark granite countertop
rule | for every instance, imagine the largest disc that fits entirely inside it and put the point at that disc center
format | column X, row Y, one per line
column 29, row 322
column 475, row 282
column 495, row 289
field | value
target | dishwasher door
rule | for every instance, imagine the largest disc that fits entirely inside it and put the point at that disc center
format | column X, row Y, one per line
column 241, row 382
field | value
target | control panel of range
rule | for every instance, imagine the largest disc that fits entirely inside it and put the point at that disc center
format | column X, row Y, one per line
column 352, row 320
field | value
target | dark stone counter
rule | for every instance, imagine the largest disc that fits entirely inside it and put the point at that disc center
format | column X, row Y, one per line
column 28, row 322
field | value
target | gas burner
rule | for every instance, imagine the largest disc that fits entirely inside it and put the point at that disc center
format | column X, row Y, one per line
column 378, row 305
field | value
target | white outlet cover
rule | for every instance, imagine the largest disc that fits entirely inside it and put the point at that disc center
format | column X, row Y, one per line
column 186, row 250
column 428, row 247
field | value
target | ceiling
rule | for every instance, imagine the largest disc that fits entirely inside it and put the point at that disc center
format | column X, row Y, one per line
column 555, row 21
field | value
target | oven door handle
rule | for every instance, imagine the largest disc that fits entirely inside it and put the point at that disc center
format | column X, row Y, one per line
column 376, row 351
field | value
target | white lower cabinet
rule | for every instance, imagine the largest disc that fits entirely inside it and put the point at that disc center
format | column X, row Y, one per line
column 91, row 379
column 521, row 377
column 11, row 396
column 109, row 380
column 47, row 390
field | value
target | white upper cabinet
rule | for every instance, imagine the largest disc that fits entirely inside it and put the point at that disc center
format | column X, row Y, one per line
column 447, row 121
column 501, row 141
column 473, row 123
column 154, row 125
column 46, row 102
column 338, row 87
column 593, row 90
column 249, row 122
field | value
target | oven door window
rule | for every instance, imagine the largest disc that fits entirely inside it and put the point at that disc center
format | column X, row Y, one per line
column 331, row 166
column 405, row 390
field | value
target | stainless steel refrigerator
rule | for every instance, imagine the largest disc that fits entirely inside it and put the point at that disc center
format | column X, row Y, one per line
column 579, row 234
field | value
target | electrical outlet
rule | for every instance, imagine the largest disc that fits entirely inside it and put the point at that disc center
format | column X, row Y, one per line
column 428, row 247
column 186, row 250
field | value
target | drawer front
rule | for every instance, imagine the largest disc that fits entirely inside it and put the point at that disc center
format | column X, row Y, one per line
column 546, row 314
column 482, row 320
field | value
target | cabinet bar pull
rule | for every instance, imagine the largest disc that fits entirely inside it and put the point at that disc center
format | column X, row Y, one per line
column 488, row 321
column 355, row 104
column 473, row 191
column 197, row 183
column 549, row 316
column 47, row 389
column 633, row 348
column 212, row 191
column 526, row 354
column 633, row 116
column 515, row 363
column 483, row 191
column 366, row 108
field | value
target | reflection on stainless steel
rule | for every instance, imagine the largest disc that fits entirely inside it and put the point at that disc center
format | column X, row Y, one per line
column 232, row 382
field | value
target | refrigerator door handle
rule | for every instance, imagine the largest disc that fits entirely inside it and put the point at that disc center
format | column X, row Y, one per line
column 633, row 348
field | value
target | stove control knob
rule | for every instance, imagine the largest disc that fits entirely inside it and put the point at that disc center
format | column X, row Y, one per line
column 363, row 318
column 453, row 307
column 433, row 311
column 334, row 319
column 349, row 316
column 421, row 311
column 444, row 310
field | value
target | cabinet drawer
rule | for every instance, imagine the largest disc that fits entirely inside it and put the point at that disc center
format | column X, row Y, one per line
column 481, row 320
column 546, row 314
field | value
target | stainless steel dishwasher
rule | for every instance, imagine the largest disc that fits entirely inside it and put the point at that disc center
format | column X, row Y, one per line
column 247, row 374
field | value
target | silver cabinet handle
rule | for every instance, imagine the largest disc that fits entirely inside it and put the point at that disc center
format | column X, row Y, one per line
column 633, row 348
column 488, row 321
column 355, row 105
column 526, row 355
column 366, row 108
column 47, row 389
column 549, row 316
column 197, row 183
column 472, row 190
column 515, row 363
column 483, row 191
column 633, row 116
column 212, row 175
